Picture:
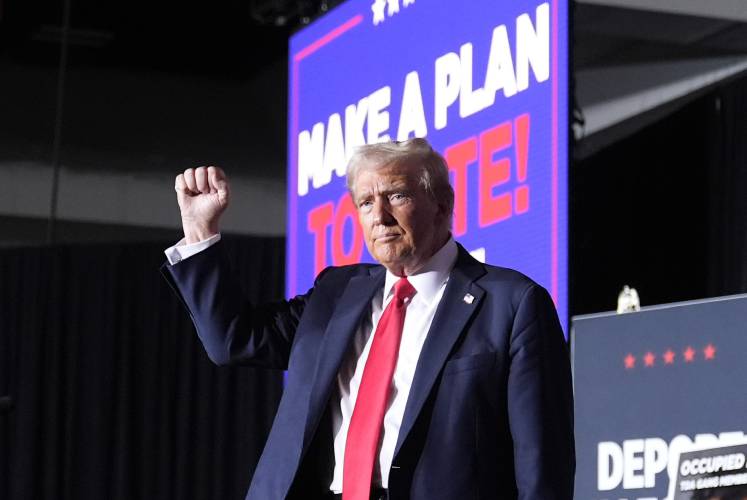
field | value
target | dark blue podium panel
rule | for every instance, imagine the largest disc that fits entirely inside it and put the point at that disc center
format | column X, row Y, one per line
column 652, row 385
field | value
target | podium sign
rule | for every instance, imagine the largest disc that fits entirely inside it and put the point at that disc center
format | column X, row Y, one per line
column 652, row 385
column 712, row 473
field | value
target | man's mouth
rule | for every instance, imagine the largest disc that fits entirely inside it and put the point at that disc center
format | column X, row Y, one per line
column 385, row 238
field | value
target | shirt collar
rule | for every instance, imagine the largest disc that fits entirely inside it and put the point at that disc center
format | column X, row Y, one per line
column 428, row 280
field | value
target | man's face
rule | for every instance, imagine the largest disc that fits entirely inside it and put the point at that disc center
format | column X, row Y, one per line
column 403, row 226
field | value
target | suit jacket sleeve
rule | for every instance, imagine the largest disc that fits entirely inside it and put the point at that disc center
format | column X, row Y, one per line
column 540, row 401
column 233, row 330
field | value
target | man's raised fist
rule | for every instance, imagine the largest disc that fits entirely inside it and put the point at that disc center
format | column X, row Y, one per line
column 203, row 194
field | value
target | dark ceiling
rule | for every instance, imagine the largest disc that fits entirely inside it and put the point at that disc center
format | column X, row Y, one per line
column 220, row 37
column 608, row 36
column 234, row 38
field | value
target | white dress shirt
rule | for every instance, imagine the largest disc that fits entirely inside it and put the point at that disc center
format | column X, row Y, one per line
column 182, row 250
column 429, row 283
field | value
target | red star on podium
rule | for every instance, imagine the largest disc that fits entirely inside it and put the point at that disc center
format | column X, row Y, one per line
column 668, row 357
column 629, row 361
column 649, row 358
column 709, row 352
column 689, row 354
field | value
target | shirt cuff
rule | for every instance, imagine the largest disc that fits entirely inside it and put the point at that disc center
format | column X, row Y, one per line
column 181, row 250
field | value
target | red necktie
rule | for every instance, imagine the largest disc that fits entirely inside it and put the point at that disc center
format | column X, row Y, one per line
column 368, row 415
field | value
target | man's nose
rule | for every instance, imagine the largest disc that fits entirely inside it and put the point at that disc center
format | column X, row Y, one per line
column 381, row 213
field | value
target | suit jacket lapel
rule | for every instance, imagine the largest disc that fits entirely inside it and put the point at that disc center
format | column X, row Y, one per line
column 345, row 320
column 452, row 315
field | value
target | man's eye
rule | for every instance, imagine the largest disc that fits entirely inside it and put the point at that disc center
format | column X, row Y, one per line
column 397, row 197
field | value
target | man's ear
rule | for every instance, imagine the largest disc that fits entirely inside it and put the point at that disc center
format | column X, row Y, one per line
column 443, row 217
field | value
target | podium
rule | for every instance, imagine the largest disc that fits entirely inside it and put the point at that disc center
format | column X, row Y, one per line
column 652, row 385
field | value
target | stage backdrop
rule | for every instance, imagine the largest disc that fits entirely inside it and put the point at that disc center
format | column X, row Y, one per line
column 485, row 82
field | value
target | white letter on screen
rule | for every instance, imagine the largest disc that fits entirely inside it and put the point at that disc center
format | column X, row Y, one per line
column 447, row 85
column 310, row 156
column 334, row 150
column 412, row 115
column 355, row 119
column 533, row 47
column 632, row 448
column 655, row 456
column 378, row 118
column 470, row 101
column 609, row 465
column 500, row 72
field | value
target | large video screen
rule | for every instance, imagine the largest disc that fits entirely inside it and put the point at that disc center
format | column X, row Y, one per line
column 485, row 82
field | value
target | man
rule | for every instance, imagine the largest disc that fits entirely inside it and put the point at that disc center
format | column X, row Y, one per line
column 461, row 368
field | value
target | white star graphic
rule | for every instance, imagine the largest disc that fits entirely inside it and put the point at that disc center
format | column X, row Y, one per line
column 393, row 7
column 405, row 3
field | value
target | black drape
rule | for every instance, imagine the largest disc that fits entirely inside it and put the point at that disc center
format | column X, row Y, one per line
column 727, row 167
column 114, row 396
column 665, row 210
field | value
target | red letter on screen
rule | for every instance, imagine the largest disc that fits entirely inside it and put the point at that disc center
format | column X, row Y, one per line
column 494, row 173
column 345, row 210
column 458, row 157
column 521, row 193
column 319, row 218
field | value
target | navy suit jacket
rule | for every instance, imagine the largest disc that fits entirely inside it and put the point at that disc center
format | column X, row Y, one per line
column 490, row 410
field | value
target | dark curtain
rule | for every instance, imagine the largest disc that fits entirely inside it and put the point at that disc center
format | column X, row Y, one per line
column 664, row 210
column 727, row 167
column 114, row 396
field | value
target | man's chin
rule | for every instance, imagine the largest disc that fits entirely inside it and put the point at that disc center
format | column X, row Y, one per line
column 388, row 260
column 388, row 253
column 394, row 260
